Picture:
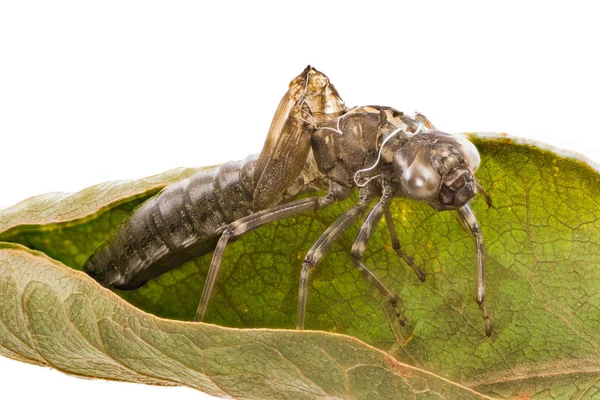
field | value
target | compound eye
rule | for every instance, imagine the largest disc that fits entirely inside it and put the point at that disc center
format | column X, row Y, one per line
column 470, row 153
column 420, row 181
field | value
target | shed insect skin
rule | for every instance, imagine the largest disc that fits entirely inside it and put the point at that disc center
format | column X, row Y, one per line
column 314, row 143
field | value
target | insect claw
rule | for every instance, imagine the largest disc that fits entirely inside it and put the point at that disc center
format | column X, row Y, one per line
column 394, row 302
column 399, row 316
column 417, row 270
column 488, row 328
column 486, row 319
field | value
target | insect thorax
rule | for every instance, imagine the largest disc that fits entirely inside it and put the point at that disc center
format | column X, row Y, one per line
column 352, row 142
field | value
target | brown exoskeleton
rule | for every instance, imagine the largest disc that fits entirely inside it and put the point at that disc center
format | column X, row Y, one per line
column 314, row 142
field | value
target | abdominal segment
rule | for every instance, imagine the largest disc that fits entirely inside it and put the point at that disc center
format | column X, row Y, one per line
column 182, row 222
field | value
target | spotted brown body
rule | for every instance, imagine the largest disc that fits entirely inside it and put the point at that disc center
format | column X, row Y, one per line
column 181, row 223
column 185, row 220
column 314, row 143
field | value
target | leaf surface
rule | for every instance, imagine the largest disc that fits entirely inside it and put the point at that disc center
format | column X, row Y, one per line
column 543, row 290
column 52, row 315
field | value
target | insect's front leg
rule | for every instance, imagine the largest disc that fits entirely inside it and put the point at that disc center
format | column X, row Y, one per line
column 316, row 252
column 469, row 218
column 396, row 245
column 360, row 245
column 246, row 224
column 358, row 250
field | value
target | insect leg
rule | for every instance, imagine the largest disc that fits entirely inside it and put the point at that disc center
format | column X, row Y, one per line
column 486, row 196
column 469, row 219
column 316, row 252
column 246, row 224
column 396, row 245
column 358, row 250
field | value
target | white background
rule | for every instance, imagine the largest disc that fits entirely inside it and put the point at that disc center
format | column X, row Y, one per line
column 91, row 92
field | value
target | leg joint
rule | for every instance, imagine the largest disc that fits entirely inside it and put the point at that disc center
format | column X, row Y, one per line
column 309, row 262
column 358, row 249
column 228, row 231
column 480, row 298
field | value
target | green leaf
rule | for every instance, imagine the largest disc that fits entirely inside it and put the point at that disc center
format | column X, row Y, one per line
column 542, row 244
column 52, row 315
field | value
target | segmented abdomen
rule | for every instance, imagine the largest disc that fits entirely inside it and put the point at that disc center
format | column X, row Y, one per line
column 180, row 223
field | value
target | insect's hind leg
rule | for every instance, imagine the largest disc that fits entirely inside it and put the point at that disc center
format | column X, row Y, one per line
column 316, row 252
column 246, row 224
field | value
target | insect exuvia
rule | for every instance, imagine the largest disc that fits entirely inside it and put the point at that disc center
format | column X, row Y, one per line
column 314, row 142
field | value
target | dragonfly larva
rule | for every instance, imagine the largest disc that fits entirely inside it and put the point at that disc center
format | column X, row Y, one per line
column 314, row 142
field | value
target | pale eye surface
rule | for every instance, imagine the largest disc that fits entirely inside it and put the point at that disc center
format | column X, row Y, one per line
column 420, row 181
column 470, row 152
